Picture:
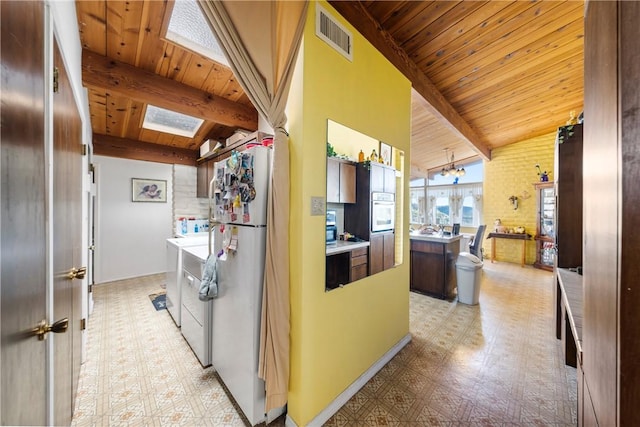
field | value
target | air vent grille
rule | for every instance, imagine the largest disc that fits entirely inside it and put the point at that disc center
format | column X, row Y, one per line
column 334, row 33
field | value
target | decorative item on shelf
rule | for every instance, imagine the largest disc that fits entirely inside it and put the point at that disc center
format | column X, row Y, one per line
column 385, row 153
column 374, row 156
column 514, row 202
column 330, row 151
column 573, row 120
column 450, row 168
column 519, row 229
column 544, row 177
column 496, row 224
column 564, row 132
column 361, row 156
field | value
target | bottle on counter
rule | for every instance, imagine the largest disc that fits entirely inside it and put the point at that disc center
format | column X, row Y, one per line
column 361, row 156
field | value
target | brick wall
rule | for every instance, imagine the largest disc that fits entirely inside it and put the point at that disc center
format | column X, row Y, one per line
column 512, row 172
column 185, row 202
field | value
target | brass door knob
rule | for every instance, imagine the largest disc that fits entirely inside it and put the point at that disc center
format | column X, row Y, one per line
column 77, row 273
column 43, row 328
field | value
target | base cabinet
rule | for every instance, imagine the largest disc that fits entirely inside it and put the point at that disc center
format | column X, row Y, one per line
column 382, row 252
column 346, row 267
column 433, row 269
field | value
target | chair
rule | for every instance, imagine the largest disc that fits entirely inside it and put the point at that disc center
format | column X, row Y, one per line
column 476, row 246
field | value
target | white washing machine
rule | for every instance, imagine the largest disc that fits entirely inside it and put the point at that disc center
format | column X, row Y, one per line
column 195, row 315
column 174, row 270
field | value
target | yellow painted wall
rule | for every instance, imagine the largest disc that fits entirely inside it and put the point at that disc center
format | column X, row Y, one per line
column 336, row 336
column 512, row 171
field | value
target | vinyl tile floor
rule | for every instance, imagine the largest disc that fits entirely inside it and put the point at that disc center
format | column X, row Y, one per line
column 494, row 364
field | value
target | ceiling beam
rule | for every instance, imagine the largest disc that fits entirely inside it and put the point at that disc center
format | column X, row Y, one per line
column 358, row 16
column 101, row 72
column 106, row 145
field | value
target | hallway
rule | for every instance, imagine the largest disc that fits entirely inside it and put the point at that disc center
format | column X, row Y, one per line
column 497, row 363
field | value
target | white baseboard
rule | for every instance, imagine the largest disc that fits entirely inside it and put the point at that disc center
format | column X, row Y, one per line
column 350, row 391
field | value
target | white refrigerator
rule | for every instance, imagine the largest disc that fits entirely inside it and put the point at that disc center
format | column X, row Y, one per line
column 240, row 203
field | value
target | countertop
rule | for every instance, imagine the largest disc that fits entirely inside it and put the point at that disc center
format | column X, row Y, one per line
column 342, row 246
column 436, row 238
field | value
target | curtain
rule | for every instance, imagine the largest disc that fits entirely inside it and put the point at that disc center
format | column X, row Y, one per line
column 261, row 41
column 455, row 195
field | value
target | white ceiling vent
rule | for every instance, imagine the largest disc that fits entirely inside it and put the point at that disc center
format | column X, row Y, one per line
column 334, row 33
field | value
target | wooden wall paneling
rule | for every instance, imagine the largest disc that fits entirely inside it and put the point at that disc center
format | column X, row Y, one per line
column 419, row 18
column 629, row 346
column 196, row 72
column 92, row 21
column 125, row 18
column 174, row 59
column 150, row 43
column 505, row 50
column 118, row 115
column 474, row 38
column 458, row 35
column 482, row 88
column 453, row 17
column 98, row 101
column 515, row 32
column 135, row 119
column 600, row 209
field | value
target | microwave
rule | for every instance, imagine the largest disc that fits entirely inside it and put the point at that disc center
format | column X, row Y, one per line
column 332, row 234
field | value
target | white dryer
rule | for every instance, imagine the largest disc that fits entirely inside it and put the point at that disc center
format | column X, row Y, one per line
column 174, row 270
column 196, row 315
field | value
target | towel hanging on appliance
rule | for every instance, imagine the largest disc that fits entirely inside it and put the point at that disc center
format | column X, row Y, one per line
column 209, row 283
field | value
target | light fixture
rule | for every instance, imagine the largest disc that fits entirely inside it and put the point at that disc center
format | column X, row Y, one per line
column 450, row 168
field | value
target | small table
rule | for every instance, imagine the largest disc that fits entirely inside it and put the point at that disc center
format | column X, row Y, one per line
column 524, row 237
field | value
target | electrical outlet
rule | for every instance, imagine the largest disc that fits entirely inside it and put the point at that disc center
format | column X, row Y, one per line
column 317, row 206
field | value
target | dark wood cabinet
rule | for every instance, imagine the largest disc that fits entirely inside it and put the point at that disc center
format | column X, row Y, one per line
column 383, row 178
column 568, row 191
column 372, row 177
column 346, row 267
column 341, row 181
column 382, row 251
column 545, row 225
column 433, row 269
column 359, row 264
column 204, row 176
column 338, row 270
column 205, row 168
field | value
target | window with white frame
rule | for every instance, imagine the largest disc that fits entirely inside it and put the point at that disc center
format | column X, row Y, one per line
column 447, row 204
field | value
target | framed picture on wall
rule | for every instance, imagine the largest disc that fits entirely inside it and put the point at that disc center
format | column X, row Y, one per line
column 385, row 153
column 148, row 190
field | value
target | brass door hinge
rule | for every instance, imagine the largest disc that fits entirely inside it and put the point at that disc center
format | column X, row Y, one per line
column 90, row 288
column 55, row 79
column 83, row 324
column 84, row 149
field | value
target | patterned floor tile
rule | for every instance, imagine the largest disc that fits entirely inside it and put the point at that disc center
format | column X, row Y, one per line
column 494, row 364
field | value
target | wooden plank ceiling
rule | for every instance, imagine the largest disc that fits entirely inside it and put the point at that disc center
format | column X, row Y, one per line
column 485, row 73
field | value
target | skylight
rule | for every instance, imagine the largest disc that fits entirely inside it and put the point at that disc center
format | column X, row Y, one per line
column 168, row 121
column 188, row 28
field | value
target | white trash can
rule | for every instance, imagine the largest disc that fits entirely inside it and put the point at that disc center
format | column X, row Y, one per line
column 468, row 271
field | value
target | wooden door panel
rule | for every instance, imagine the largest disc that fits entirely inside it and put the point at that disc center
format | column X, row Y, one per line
column 67, row 252
column 22, row 214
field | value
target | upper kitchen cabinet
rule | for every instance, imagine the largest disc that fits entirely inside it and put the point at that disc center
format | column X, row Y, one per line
column 383, row 178
column 341, row 181
column 204, row 176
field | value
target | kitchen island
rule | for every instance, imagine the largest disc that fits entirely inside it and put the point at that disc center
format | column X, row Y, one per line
column 346, row 263
column 433, row 264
